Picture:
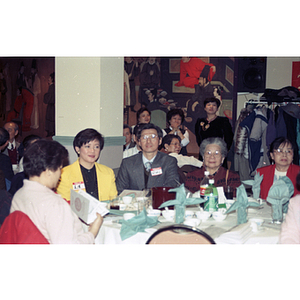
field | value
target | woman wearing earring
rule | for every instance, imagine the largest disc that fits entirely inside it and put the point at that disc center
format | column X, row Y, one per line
column 85, row 174
column 213, row 125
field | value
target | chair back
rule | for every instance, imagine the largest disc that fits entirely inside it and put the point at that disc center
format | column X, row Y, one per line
column 158, row 118
column 17, row 228
column 180, row 234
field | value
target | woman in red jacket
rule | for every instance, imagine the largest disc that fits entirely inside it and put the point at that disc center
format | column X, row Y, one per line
column 282, row 153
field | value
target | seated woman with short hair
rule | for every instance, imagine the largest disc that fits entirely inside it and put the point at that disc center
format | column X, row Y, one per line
column 282, row 154
column 49, row 212
column 171, row 144
column 214, row 151
column 85, row 173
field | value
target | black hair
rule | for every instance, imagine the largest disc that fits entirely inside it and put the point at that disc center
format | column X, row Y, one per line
column 173, row 112
column 87, row 135
column 167, row 139
column 136, row 128
column 140, row 111
column 43, row 155
column 279, row 141
column 212, row 99
column 28, row 140
column 127, row 126
column 149, row 126
column 4, row 136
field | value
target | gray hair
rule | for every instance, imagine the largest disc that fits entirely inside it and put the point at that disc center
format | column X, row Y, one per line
column 213, row 140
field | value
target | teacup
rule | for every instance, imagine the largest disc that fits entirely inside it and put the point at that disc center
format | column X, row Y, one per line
column 122, row 206
column 127, row 199
column 128, row 216
column 188, row 214
column 168, row 214
column 203, row 215
column 257, row 221
column 219, row 216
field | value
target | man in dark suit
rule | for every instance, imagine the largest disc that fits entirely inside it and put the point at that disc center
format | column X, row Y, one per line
column 150, row 167
column 12, row 149
column 127, row 132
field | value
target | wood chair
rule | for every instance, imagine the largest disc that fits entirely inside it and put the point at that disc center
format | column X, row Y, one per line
column 179, row 234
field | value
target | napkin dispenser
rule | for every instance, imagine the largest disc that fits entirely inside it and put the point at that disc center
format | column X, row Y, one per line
column 161, row 195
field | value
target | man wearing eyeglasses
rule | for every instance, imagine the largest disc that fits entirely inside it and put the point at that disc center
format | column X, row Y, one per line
column 150, row 167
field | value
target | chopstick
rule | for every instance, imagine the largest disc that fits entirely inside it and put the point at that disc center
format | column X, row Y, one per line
column 227, row 173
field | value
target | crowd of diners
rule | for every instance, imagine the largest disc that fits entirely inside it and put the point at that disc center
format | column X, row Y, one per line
column 152, row 157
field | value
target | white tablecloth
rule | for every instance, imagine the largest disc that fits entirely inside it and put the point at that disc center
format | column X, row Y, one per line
column 268, row 233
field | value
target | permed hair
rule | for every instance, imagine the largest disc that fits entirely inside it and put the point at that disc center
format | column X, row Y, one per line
column 173, row 112
column 216, row 141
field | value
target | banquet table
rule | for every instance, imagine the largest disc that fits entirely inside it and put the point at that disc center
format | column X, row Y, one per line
column 268, row 233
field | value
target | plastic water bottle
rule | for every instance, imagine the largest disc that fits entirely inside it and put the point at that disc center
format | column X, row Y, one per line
column 211, row 197
column 204, row 184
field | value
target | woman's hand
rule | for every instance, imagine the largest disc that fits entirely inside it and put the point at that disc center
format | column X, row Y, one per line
column 95, row 226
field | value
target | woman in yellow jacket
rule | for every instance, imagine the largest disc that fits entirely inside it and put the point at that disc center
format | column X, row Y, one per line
column 85, row 174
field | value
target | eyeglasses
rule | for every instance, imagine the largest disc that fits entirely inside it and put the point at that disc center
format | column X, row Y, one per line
column 210, row 153
column 281, row 151
column 152, row 136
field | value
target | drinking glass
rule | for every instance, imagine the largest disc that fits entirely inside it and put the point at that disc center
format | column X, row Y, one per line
column 277, row 214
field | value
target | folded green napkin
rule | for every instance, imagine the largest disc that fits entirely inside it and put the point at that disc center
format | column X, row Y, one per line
column 241, row 204
column 279, row 195
column 137, row 224
column 180, row 202
column 255, row 183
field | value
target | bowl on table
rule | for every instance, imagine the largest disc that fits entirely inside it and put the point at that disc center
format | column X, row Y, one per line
column 203, row 215
column 219, row 216
column 193, row 222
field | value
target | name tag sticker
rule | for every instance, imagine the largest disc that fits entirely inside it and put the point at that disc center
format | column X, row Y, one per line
column 156, row 171
column 78, row 186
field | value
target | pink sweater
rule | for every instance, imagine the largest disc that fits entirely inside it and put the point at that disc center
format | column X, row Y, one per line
column 290, row 228
column 51, row 214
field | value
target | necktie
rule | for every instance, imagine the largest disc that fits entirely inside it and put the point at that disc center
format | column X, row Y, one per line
column 148, row 166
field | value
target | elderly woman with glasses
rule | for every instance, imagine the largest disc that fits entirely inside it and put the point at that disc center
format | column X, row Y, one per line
column 214, row 151
column 282, row 154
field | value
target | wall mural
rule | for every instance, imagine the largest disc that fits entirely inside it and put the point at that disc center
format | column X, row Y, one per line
column 27, row 88
column 163, row 83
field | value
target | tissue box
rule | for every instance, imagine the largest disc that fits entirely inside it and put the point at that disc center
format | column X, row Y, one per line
column 85, row 206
